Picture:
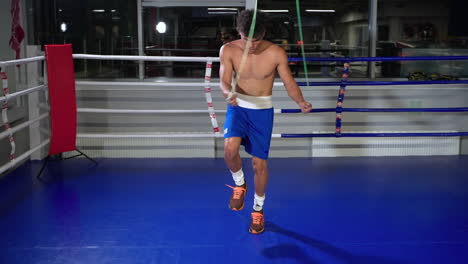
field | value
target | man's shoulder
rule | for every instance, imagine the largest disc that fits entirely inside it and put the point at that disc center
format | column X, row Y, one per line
column 272, row 47
column 231, row 45
column 229, row 48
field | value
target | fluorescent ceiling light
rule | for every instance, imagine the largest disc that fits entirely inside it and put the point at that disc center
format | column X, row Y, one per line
column 99, row 10
column 222, row 13
column 221, row 9
column 275, row 11
column 320, row 10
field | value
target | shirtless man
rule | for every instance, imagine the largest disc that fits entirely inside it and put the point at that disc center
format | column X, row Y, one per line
column 249, row 117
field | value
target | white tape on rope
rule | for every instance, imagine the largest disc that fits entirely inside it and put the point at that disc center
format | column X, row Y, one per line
column 209, row 99
column 20, row 93
column 6, row 123
column 15, row 129
column 22, row 157
column 4, row 83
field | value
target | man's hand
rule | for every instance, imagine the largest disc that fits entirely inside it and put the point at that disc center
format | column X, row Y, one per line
column 305, row 106
column 232, row 99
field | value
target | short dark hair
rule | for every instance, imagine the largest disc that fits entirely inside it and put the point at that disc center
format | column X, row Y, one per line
column 244, row 20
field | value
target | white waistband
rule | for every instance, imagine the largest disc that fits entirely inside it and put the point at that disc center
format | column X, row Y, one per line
column 254, row 102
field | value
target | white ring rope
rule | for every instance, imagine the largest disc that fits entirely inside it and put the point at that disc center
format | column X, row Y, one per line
column 182, row 86
column 144, row 111
column 21, row 61
column 23, row 156
column 152, row 84
column 23, row 92
column 145, row 58
column 140, row 111
column 15, row 129
column 166, row 135
column 211, row 135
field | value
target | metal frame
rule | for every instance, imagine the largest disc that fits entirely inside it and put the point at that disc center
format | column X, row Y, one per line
column 372, row 36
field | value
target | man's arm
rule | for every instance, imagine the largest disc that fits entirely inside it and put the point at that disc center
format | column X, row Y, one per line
column 290, row 84
column 225, row 75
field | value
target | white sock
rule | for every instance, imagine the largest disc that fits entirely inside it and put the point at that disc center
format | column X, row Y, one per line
column 258, row 202
column 238, row 177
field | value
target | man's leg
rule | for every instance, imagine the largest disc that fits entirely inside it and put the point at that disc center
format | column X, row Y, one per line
column 261, row 175
column 231, row 153
column 234, row 163
column 261, row 179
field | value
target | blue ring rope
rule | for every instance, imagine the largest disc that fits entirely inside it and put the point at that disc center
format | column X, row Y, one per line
column 382, row 83
column 345, row 82
column 381, row 110
column 414, row 134
column 354, row 59
column 319, row 110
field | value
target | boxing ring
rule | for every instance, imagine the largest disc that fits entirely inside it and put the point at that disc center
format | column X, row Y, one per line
column 407, row 205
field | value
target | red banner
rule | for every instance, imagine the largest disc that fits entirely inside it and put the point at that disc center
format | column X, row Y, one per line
column 17, row 32
column 62, row 98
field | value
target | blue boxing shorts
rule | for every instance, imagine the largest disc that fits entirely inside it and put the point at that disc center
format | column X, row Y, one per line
column 251, row 120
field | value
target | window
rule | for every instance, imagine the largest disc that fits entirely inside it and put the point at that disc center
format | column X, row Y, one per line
column 93, row 27
column 423, row 28
column 189, row 31
column 331, row 28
